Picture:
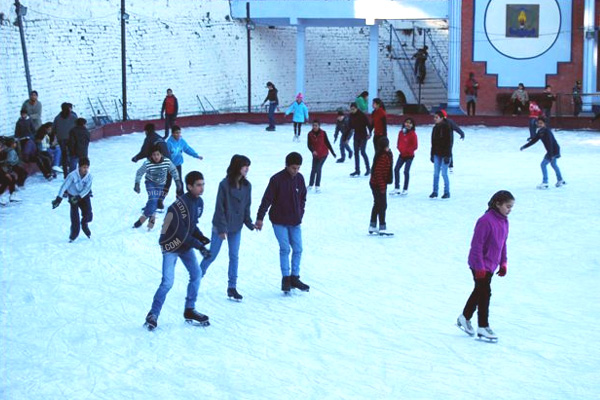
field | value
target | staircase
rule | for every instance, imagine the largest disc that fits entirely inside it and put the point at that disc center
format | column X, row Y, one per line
column 404, row 43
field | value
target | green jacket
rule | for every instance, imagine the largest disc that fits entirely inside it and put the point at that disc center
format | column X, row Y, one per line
column 362, row 104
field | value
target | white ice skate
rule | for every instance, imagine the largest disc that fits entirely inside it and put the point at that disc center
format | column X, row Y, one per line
column 486, row 333
column 560, row 183
column 14, row 197
column 465, row 325
column 404, row 193
column 542, row 186
column 4, row 199
column 373, row 230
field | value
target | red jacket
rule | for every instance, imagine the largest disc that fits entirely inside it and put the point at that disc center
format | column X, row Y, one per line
column 381, row 174
column 318, row 141
column 534, row 110
column 379, row 122
column 407, row 143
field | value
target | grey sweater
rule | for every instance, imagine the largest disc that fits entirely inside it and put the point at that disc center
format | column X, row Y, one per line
column 233, row 207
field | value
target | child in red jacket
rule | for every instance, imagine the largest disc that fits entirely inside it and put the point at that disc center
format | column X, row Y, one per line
column 319, row 146
column 534, row 112
column 381, row 176
column 407, row 144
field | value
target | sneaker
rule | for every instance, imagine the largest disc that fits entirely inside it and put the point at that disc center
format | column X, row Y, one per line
column 298, row 284
column 194, row 317
column 232, row 293
column 286, row 284
column 373, row 229
column 395, row 191
column 14, row 197
column 542, row 186
column 355, row 173
column 404, row 192
column 433, row 195
column 57, row 169
column 341, row 160
column 151, row 322
column 446, row 196
column 317, row 189
column 487, row 333
column 465, row 325
column 560, row 183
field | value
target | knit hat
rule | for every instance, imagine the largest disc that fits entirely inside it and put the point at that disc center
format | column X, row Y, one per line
column 299, row 96
column 445, row 113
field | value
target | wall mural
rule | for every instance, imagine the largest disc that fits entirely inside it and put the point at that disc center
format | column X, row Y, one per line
column 522, row 41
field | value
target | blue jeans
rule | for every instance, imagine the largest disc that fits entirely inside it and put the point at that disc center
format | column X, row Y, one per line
column 440, row 165
column 401, row 161
column 343, row 147
column 360, row 146
column 532, row 127
column 289, row 236
column 315, row 172
column 73, row 163
column 168, row 277
column 272, row 107
column 55, row 153
column 233, row 241
column 155, row 191
column 554, row 165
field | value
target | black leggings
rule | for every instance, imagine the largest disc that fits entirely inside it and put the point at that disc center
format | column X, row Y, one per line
column 379, row 207
column 480, row 300
column 297, row 128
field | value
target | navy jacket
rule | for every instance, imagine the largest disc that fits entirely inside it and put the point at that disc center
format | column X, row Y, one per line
column 149, row 142
column 233, row 207
column 180, row 231
column 286, row 197
column 550, row 143
column 79, row 141
column 441, row 140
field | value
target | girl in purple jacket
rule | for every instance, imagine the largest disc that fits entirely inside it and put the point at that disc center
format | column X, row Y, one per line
column 488, row 250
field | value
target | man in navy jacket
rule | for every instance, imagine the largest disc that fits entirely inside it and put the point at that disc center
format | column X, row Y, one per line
column 285, row 199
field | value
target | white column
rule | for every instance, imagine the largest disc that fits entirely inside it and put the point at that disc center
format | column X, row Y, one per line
column 373, row 63
column 300, row 58
column 454, row 34
column 590, row 48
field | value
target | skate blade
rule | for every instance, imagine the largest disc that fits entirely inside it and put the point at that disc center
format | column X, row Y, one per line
column 193, row 322
column 486, row 340
column 287, row 293
column 234, row 299
column 302, row 290
column 149, row 327
column 465, row 331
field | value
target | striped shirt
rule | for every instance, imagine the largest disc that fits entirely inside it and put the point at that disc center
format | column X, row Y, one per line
column 157, row 172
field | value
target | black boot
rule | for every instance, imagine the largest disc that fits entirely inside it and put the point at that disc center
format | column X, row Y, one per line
column 286, row 284
column 151, row 321
column 194, row 317
column 298, row 284
column 86, row 230
column 232, row 293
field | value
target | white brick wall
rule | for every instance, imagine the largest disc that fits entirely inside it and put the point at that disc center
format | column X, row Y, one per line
column 189, row 46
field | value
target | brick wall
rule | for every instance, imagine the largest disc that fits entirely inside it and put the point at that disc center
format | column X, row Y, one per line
column 192, row 47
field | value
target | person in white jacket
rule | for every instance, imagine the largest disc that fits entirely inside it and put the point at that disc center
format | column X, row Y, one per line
column 77, row 187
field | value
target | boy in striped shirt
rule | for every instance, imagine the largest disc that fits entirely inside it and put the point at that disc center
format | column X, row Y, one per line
column 155, row 168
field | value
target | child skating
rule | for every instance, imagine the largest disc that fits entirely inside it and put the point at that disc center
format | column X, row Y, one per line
column 488, row 251
column 319, row 146
column 300, row 111
column 552, row 153
column 380, row 178
column 407, row 145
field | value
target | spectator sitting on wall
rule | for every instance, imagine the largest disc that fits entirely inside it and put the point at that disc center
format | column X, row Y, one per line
column 519, row 98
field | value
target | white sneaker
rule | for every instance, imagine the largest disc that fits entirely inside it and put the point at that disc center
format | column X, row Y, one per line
column 465, row 325
column 395, row 192
column 404, row 193
column 317, row 189
column 373, row 229
column 486, row 333
column 542, row 186
column 4, row 200
column 451, row 170
column 560, row 183
column 56, row 168
column 14, row 197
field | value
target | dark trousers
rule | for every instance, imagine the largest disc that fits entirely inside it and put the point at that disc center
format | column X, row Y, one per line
column 168, row 183
column 401, row 161
column 480, row 300
column 64, row 156
column 379, row 207
column 376, row 139
column 85, row 205
column 21, row 174
column 518, row 107
column 297, row 128
column 471, row 105
column 272, row 107
column 577, row 107
column 44, row 163
column 7, row 181
column 360, row 146
column 169, row 122
column 315, row 172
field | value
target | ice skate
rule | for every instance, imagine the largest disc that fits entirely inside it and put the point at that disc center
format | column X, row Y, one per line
column 560, row 183
column 465, row 325
column 542, row 186
column 317, row 189
column 286, row 284
column 446, row 196
column 355, row 174
column 233, row 294
column 395, row 192
column 86, row 231
column 486, row 333
column 296, row 283
column 404, row 193
column 373, row 229
column 433, row 195
column 193, row 317
column 4, row 199
column 151, row 322
column 14, row 197
column 340, row 160
column 309, row 189
column 151, row 222
column 140, row 221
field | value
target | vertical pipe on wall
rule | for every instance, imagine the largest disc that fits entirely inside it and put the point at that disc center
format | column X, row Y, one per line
column 124, row 17
column 300, row 57
column 454, row 26
column 248, row 50
column 23, row 44
column 373, row 62
column 589, row 55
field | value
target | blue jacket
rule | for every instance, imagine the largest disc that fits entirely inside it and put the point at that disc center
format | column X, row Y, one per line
column 233, row 207
column 177, row 148
column 286, row 197
column 550, row 143
column 300, row 112
column 180, row 231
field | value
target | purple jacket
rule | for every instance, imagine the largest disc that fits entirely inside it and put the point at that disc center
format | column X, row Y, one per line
column 488, row 246
column 286, row 196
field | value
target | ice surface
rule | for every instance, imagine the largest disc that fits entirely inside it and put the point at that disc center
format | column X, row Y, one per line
column 379, row 320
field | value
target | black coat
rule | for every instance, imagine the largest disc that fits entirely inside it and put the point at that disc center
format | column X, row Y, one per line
column 24, row 129
column 79, row 141
column 359, row 123
column 441, row 140
column 151, row 140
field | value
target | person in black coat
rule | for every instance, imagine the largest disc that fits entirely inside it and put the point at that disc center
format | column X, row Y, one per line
column 359, row 123
column 152, row 139
column 441, row 153
column 79, row 141
column 552, row 153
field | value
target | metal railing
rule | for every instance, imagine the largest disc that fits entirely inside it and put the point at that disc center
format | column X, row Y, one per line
column 404, row 61
column 436, row 60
